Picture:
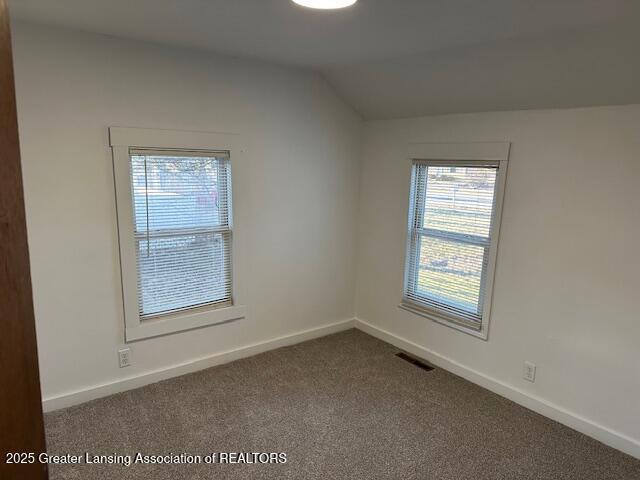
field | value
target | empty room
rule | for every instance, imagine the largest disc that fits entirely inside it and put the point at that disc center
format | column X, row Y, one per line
column 320, row 239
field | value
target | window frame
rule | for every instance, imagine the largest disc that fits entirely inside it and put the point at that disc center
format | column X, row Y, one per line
column 122, row 141
column 476, row 154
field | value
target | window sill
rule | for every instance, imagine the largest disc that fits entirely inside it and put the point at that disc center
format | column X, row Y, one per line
column 446, row 320
column 184, row 321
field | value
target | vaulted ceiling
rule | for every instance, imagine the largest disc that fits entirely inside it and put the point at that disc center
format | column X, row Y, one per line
column 401, row 58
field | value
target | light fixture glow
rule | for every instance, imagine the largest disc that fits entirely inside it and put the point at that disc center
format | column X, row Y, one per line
column 325, row 4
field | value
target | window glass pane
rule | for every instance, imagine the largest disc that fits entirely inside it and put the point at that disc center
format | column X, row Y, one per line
column 178, row 202
column 181, row 271
column 450, row 273
column 173, row 192
column 459, row 199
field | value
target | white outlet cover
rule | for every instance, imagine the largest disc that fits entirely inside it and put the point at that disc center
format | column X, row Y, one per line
column 124, row 357
column 529, row 372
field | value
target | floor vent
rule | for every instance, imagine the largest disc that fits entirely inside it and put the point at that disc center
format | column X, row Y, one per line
column 415, row 361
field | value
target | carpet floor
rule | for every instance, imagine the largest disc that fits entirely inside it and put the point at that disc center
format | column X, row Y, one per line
column 340, row 407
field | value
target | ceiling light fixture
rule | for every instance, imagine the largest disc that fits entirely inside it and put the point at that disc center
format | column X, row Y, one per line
column 325, row 4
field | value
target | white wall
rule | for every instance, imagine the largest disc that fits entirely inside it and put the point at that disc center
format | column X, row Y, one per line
column 568, row 270
column 296, row 194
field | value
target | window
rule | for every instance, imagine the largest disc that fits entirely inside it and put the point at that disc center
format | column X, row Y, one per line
column 454, row 216
column 175, row 227
column 182, row 229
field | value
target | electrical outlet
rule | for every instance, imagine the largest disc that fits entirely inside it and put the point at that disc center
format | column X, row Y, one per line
column 529, row 372
column 124, row 357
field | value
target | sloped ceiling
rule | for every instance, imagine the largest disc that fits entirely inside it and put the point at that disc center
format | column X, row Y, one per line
column 401, row 58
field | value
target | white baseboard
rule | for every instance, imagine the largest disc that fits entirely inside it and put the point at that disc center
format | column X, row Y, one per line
column 601, row 433
column 96, row 391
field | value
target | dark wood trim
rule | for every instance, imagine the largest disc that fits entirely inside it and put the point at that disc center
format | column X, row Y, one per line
column 21, row 423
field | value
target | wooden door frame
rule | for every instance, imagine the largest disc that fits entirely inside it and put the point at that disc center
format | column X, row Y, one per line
column 21, row 422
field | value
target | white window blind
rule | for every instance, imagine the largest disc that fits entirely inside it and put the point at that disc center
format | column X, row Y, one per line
column 451, row 215
column 182, row 229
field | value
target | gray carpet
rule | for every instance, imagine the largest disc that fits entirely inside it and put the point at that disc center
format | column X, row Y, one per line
column 340, row 407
